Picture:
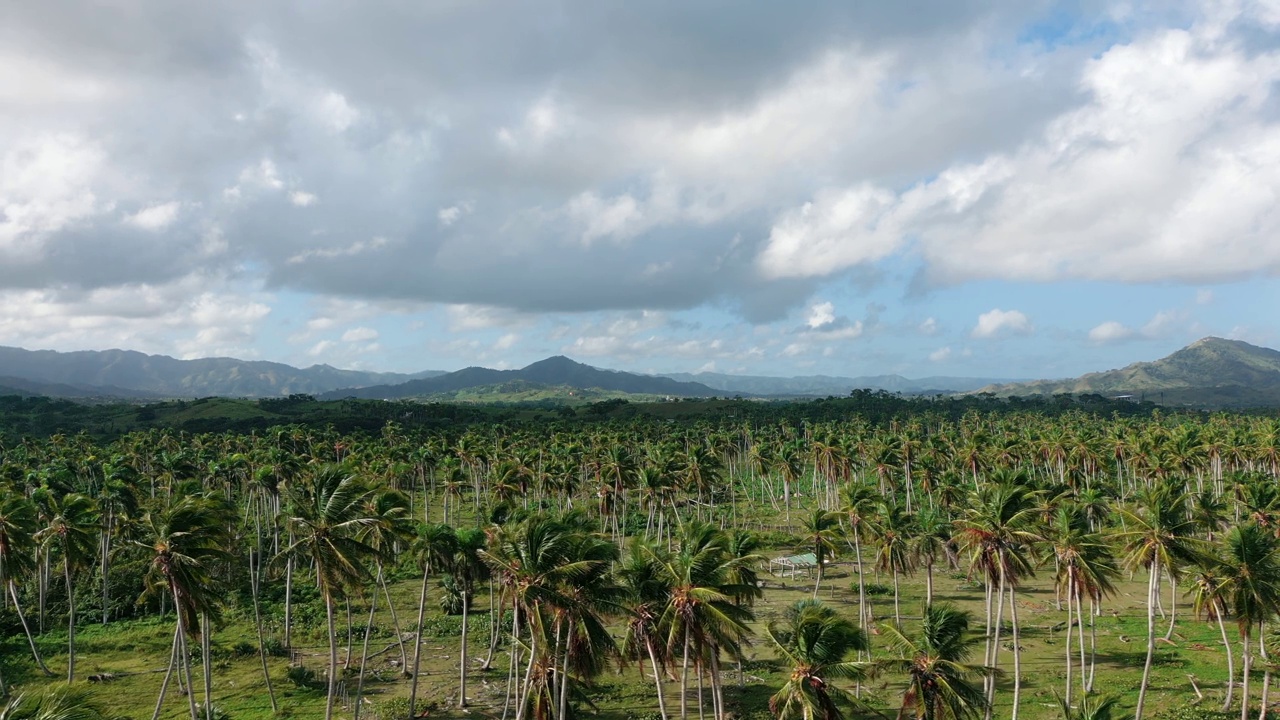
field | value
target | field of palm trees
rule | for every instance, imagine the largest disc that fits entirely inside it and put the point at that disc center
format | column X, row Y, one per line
column 1001, row 564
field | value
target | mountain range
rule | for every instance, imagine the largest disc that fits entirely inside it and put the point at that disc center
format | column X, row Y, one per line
column 134, row 375
column 1211, row 373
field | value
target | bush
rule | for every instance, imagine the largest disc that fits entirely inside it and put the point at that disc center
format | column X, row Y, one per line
column 243, row 649
column 303, row 677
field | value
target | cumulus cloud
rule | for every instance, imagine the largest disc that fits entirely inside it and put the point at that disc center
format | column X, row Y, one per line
column 359, row 334
column 998, row 323
column 1109, row 332
column 155, row 217
column 942, row 354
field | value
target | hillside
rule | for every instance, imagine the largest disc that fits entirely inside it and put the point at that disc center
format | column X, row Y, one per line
column 129, row 374
column 826, row 385
column 552, row 372
column 1211, row 372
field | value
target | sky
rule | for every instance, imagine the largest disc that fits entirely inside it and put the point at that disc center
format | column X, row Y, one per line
column 984, row 188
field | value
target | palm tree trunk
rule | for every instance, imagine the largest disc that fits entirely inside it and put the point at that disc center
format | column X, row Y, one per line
column 928, row 582
column 1244, row 681
column 395, row 619
column 71, row 623
column 564, row 678
column 168, row 674
column 17, row 607
column 1266, row 669
column 1231, row 671
column 206, row 651
column 1173, row 605
column 862, row 592
column 1017, row 652
column 684, row 679
column 897, row 615
column 186, row 665
column 1152, row 589
column 106, row 554
column 417, row 639
column 257, row 623
column 288, row 598
column 1067, row 643
column 333, row 655
column 1085, row 686
column 995, row 636
column 364, row 652
column 462, row 650
column 1093, row 641
column 657, row 676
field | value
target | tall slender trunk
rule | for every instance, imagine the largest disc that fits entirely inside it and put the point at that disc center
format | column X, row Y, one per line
column 1093, row 640
column 1173, row 605
column 168, row 674
column 71, row 623
column 333, row 654
column 657, row 676
column 17, row 607
column 1017, row 651
column 254, row 580
column 206, row 664
column 1152, row 592
column 288, row 598
column 1231, row 670
column 1244, row 680
column 1266, row 669
column 862, row 589
column 417, row 640
column 987, row 678
column 462, row 650
column 364, row 651
column 684, row 679
column 1070, row 593
column 1084, row 679
column 897, row 615
column 186, row 662
column 106, row 561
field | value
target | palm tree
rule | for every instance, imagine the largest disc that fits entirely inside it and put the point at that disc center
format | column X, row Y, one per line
column 941, row 684
column 434, row 549
column 859, row 504
column 1084, row 567
column 17, row 553
column 1251, row 588
column 998, row 530
column 185, row 538
column 701, row 616
column 328, row 514
column 647, row 595
column 468, row 569
column 819, row 531
column 815, row 640
column 1161, row 537
column 892, row 529
column 1209, row 603
column 73, row 522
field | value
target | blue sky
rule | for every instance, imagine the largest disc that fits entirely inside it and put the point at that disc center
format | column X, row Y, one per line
column 993, row 189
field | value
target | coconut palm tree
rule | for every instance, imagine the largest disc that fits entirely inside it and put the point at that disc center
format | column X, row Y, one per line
column 941, row 683
column 814, row 641
column 1251, row 587
column 328, row 511
column 1208, row 603
column 17, row 553
column 1091, row 708
column 1160, row 536
column 72, row 529
column 819, row 531
column 892, row 528
column 186, row 538
column 434, row 549
column 468, row 569
column 648, row 593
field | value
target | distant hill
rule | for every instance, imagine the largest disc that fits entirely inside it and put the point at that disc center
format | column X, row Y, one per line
column 129, row 374
column 554, row 371
column 825, row 385
column 1211, row 372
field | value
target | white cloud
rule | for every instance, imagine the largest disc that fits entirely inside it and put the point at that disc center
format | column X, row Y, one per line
column 941, row 354
column 359, row 334
column 358, row 247
column 155, row 217
column 450, row 215
column 997, row 322
column 46, row 184
column 928, row 327
column 1109, row 332
column 301, row 198
column 506, row 342
column 320, row 348
column 838, row 229
column 821, row 314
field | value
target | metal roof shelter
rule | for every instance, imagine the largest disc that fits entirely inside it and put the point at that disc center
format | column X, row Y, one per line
column 792, row 564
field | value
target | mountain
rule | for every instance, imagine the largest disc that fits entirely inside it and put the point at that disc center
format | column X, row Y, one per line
column 554, row 371
column 1211, row 372
column 129, row 374
column 825, row 385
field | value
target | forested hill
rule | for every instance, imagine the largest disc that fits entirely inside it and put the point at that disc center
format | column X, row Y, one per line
column 554, row 371
column 129, row 374
column 1211, row 372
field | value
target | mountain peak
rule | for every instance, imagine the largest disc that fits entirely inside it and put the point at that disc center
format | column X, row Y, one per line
column 555, row 361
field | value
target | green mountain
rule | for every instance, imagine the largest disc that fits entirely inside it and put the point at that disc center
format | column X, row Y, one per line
column 556, row 371
column 1209, row 373
column 825, row 385
column 128, row 374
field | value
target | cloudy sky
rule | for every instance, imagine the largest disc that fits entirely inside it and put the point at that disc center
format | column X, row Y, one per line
column 963, row 187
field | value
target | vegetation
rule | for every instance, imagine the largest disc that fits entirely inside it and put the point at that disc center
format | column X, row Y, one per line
column 610, row 560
